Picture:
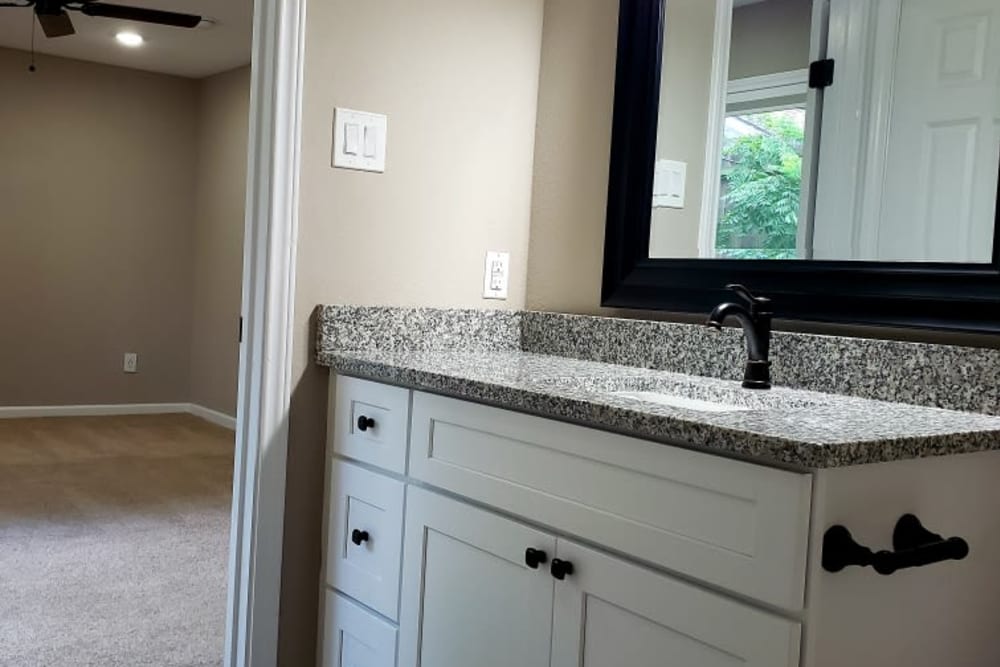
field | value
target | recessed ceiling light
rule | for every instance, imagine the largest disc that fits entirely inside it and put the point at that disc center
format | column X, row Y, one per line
column 129, row 38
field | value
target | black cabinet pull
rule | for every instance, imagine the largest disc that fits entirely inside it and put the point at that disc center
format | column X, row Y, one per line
column 359, row 537
column 365, row 423
column 535, row 557
column 914, row 546
column 561, row 569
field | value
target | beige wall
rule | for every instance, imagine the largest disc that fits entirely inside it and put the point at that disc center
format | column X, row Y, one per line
column 223, row 118
column 459, row 82
column 571, row 155
column 95, row 220
column 121, row 199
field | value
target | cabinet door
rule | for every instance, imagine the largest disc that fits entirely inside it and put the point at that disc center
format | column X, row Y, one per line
column 469, row 598
column 354, row 637
column 609, row 612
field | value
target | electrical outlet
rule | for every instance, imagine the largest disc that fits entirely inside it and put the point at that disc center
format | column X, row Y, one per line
column 131, row 364
column 497, row 275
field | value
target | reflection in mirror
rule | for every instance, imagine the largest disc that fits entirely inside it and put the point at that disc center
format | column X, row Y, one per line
column 895, row 159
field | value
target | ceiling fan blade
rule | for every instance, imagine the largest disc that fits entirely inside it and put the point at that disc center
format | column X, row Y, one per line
column 56, row 25
column 140, row 14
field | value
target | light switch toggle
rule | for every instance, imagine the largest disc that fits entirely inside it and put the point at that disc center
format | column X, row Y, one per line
column 371, row 141
column 352, row 138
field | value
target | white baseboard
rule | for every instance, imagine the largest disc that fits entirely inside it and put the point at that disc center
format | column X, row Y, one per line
column 92, row 410
column 213, row 416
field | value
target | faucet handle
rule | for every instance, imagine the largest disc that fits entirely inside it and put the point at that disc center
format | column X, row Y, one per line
column 756, row 302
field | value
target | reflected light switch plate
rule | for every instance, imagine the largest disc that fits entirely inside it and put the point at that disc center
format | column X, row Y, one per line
column 359, row 139
column 669, row 182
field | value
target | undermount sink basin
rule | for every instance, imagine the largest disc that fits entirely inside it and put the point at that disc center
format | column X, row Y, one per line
column 697, row 394
column 675, row 401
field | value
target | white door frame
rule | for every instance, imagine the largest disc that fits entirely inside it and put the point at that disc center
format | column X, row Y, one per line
column 266, row 351
column 716, row 119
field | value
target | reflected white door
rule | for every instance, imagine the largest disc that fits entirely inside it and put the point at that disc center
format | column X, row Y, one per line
column 909, row 159
column 942, row 149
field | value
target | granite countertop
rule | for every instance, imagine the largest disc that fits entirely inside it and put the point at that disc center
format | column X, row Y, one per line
column 793, row 428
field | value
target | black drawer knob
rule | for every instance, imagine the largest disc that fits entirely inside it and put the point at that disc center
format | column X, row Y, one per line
column 561, row 569
column 359, row 537
column 365, row 423
column 535, row 557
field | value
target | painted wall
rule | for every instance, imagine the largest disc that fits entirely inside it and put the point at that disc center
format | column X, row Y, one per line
column 461, row 102
column 96, row 210
column 121, row 214
column 571, row 155
column 223, row 126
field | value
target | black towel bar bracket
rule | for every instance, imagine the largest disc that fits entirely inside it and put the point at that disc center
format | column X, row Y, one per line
column 913, row 546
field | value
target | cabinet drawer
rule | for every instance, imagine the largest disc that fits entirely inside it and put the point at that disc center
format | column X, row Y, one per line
column 364, row 536
column 740, row 526
column 381, row 438
column 354, row 637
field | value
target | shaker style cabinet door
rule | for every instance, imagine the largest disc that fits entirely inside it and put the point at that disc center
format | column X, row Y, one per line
column 609, row 612
column 473, row 594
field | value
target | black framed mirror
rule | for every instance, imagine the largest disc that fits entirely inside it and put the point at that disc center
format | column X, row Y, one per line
column 923, row 254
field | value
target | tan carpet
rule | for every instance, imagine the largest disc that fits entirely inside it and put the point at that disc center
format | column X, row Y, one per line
column 114, row 534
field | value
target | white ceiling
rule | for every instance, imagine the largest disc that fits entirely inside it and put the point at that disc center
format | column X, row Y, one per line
column 193, row 53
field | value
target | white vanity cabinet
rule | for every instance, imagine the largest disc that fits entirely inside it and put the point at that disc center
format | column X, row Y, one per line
column 463, row 535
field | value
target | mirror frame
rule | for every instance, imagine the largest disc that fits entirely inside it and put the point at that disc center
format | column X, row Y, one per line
column 924, row 295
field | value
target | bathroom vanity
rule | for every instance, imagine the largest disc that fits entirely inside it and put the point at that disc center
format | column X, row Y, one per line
column 505, row 507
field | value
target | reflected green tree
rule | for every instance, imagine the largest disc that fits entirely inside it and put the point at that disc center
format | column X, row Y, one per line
column 761, row 185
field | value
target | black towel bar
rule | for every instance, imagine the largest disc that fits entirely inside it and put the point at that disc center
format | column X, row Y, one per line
column 914, row 546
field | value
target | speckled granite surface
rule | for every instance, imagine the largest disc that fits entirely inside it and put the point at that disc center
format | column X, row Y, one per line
column 440, row 351
column 942, row 376
column 388, row 328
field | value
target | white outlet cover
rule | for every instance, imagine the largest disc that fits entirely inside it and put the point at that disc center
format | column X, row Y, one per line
column 496, row 275
column 359, row 140
column 130, row 363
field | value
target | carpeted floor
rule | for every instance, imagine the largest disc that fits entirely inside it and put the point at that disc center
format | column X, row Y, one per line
column 114, row 534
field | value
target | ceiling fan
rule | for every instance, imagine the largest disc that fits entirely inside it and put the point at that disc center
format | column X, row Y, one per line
column 55, row 20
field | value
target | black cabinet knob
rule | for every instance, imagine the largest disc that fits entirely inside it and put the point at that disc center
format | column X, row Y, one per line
column 359, row 537
column 535, row 557
column 561, row 569
column 365, row 423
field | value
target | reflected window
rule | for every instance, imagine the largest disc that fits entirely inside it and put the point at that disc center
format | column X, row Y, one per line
column 760, row 185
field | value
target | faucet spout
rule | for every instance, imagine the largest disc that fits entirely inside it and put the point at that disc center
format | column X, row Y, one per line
column 755, row 321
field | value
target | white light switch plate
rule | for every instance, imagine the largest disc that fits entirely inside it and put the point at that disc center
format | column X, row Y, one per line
column 359, row 140
column 497, row 275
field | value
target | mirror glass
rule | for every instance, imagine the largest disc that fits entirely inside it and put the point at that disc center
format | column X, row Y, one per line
column 892, row 155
